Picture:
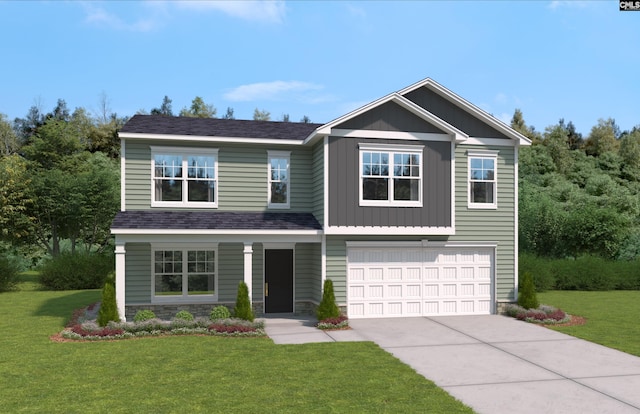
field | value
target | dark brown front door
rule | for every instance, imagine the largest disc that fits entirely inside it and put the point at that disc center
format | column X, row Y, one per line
column 278, row 279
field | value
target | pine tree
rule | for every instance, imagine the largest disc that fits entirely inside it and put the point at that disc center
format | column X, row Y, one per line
column 328, row 307
column 243, row 305
column 108, row 307
column 527, row 296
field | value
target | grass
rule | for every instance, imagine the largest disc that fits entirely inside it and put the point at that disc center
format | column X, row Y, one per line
column 192, row 374
column 612, row 317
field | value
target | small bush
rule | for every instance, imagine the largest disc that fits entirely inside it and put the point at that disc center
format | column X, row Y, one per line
column 9, row 276
column 184, row 315
column 229, row 329
column 76, row 271
column 144, row 315
column 527, row 297
column 108, row 307
column 219, row 312
column 243, row 309
column 334, row 323
column 328, row 307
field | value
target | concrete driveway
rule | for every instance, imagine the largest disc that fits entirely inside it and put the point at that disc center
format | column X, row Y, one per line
column 497, row 364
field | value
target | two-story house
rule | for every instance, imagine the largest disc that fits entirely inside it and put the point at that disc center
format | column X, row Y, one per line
column 409, row 204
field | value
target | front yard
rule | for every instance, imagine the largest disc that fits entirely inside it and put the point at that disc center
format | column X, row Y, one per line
column 613, row 317
column 192, row 373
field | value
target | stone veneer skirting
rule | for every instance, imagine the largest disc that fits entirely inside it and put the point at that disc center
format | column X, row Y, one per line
column 168, row 311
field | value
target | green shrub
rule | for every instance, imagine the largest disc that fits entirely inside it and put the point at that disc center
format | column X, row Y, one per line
column 144, row 315
column 243, row 309
column 539, row 267
column 76, row 271
column 108, row 307
column 220, row 312
column 9, row 276
column 184, row 315
column 328, row 307
column 527, row 297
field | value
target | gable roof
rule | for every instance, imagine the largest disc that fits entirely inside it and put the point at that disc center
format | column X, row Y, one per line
column 146, row 125
column 220, row 221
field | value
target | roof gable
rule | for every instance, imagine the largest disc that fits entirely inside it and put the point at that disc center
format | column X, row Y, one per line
column 390, row 116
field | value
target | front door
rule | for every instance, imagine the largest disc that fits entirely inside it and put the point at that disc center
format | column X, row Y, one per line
column 278, row 280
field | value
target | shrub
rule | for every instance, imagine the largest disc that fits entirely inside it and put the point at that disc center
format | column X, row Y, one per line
column 543, row 276
column 527, row 297
column 108, row 308
column 144, row 315
column 9, row 276
column 222, row 328
column 219, row 312
column 76, row 271
column 334, row 323
column 327, row 308
column 243, row 309
column 184, row 315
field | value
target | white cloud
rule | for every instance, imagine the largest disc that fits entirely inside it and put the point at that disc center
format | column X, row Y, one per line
column 96, row 15
column 267, row 11
column 276, row 90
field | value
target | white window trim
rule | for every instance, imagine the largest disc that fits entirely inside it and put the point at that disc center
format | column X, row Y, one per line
column 391, row 149
column 280, row 155
column 184, row 152
column 184, row 298
column 483, row 154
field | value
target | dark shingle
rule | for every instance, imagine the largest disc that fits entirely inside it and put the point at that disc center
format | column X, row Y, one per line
column 210, row 127
column 213, row 220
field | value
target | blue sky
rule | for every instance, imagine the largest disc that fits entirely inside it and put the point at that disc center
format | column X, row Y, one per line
column 577, row 60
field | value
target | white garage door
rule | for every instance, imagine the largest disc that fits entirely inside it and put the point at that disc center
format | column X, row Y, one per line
column 419, row 281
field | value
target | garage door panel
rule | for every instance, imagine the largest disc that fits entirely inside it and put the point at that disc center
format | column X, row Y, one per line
column 419, row 282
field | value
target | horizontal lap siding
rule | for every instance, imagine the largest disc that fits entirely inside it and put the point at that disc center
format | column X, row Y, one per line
column 303, row 269
column 230, row 270
column 490, row 225
column 138, row 273
column 242, row 175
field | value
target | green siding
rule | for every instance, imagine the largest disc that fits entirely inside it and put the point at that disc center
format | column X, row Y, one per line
column 490, row 225
column 318, row 182
column 230, row 270
column 138, row 273
column 336, row 262
column 308, row 272
column 242, row 175
column 257, row 294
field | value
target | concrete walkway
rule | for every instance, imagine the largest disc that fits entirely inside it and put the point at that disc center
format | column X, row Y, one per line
column 494, row 364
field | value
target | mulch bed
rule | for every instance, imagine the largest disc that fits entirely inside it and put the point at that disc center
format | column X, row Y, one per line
column 574, row 321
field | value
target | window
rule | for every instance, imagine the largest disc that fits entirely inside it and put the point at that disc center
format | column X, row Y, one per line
column 390, row 175
column 278, row 179
column 482, row 179
column 184, row 179
column 181, row 274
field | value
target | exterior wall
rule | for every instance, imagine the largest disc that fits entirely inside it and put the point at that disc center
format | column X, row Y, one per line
column 317, row 181
column 308, row 278
column 344, row 196
column 138, row 271
column 230, row 270
column 452, row 114
column 242, row 175
column 490, row 225
column 389, row 117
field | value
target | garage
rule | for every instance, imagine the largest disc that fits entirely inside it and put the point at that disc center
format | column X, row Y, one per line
column 405, row 279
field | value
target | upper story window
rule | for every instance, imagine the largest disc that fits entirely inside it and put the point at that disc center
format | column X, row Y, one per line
column 483, row 179
column 278, row 174
column 184, row 178
column 391, row 175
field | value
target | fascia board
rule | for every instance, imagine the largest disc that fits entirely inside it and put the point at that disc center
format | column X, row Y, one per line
column 215, row 232
column 200, row 138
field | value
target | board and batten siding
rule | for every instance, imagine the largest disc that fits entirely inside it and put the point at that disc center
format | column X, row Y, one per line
column 317, row 181
column 490, row 225
column 242, row 175
column 138, row 271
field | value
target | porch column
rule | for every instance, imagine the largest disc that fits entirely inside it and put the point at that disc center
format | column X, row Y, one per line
column 120, row 271
column 248, row 267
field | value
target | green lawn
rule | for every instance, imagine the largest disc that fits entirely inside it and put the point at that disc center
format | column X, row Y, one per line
column 192, row 374
column 612, row 317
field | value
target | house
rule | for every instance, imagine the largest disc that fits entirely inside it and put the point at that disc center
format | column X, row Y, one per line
column 409, row 204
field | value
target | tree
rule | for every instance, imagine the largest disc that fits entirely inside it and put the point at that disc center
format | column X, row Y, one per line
column 603, row 138
column 8, row 138
column 518, row 123
column 108, row 307
column 165, row 108
column 199, row 109
column 556, row 140
column 60, row 111
column 263, row 115
column 327, row 307
column 285, row 117
column 16, row 198
column 305, row 120
column 243, row 309
column 630, row 154
column 229, row 114
column 26, row 127
column 527, row 297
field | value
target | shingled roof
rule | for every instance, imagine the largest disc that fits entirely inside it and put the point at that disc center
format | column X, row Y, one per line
column 210, row 127
column 213, row 220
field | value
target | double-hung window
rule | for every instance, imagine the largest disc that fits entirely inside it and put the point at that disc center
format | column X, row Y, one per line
column 181, row 274
column 278, row 173
column 184, row 178
column 391, row 175
column 483, row 179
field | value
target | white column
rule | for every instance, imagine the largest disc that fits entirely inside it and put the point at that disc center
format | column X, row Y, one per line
column 248, row 267
column 120, row 271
